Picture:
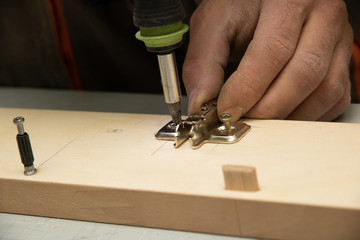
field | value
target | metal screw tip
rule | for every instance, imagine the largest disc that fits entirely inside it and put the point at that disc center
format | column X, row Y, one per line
column 18, row 120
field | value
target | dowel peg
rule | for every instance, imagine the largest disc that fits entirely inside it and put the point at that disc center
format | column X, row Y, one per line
column 241, row 178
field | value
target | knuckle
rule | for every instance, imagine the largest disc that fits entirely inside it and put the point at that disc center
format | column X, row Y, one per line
column 335, row 11
column 294, row 8
column 346, row 43
column 333, row 92
column 311, row 68
column 200, row 13
column 339, row 7
column 339, row 108
column 196, row 18
column 335, row 89
column 209, row 10
column 312, row 63
column 279, row 48
column 348, row 35
column 349, row 32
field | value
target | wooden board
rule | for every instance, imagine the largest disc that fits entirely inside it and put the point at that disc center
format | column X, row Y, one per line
column 108, row 167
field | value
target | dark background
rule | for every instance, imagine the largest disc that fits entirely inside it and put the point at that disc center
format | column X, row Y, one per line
column 107, row 55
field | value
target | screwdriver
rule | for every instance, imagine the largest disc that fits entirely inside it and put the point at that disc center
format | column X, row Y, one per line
column 162, row 30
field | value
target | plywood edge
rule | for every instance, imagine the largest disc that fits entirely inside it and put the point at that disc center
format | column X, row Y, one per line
column 177, row 211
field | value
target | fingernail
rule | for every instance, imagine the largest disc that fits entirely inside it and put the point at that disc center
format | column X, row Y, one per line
column 236, row 112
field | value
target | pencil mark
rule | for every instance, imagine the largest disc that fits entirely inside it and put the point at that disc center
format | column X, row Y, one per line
column 213, row 148
column 158, row 149
column 59, row 151
column 115, row 130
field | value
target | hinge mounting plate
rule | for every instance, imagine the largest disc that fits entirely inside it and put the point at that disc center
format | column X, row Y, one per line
column 203, row 127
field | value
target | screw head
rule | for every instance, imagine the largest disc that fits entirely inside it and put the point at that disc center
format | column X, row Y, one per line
column 19, row 120
column 225, row 117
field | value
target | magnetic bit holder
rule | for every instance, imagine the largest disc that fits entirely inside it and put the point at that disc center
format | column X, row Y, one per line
column 204, row 127
column 24, row 145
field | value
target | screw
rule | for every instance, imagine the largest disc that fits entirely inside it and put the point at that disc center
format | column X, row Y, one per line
column 24, row 145
column 19, row 122
column 225, row 118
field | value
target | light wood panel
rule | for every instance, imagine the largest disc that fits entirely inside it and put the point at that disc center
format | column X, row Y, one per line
column 109, row 168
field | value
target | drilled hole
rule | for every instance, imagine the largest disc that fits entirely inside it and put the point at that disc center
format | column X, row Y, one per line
column 204, row 109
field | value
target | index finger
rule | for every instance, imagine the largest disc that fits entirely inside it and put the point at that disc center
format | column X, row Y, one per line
column 207, row 54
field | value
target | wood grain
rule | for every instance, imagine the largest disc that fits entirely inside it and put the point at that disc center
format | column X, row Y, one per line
column 108, row 167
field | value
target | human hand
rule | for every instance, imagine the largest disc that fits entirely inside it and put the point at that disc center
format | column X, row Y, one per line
column 294, row 58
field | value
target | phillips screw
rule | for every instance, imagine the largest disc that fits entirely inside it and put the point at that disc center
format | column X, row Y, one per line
column 225, row 118
column 24, row 145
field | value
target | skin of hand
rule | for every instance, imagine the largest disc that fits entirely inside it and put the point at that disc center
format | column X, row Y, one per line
column 293, row 58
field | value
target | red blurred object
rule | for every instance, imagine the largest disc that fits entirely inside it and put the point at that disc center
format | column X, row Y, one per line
column 63, row 40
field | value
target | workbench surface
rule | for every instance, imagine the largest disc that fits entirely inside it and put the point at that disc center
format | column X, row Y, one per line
column 28, row 227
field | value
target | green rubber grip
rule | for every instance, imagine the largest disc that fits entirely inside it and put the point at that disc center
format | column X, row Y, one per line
column 162, row 36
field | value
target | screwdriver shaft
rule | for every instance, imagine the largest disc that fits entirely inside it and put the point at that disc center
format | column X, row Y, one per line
column 171, row 86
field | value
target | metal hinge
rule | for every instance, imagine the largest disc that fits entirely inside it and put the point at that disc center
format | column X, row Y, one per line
column 203, row 127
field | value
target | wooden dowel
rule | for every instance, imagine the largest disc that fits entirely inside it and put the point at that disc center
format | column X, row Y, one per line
column 241, row 178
